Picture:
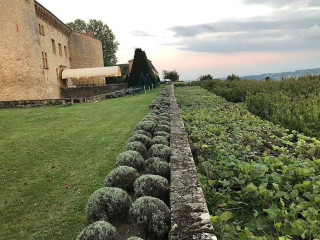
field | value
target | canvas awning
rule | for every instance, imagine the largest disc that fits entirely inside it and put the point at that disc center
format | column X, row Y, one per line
column 91, row 72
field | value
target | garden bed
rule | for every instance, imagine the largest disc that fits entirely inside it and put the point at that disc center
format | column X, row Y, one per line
column 259, row 180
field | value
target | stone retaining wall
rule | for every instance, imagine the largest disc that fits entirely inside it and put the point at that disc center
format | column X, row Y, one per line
column 82, row 92
column 50, row 102
column 190, row 217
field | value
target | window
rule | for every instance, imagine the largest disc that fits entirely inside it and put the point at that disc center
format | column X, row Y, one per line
column 60, row 50
column 54, row 46
column 45, row 60
column 65, row 51
column 41, row 29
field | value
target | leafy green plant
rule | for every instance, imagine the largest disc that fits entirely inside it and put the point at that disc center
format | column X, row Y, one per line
column 292, row 102
column 260, row 181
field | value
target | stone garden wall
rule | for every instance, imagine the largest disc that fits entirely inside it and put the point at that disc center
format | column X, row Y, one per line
column 190, row 217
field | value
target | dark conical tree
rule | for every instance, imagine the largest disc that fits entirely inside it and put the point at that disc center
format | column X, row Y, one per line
column 140, row 65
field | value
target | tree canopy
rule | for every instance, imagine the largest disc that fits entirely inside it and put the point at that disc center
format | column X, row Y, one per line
column 205, row 77
column 233, row 77
column 102, row 32
column 172, row 75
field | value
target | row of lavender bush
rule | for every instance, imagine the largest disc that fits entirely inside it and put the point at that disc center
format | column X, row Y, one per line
column 138, row 188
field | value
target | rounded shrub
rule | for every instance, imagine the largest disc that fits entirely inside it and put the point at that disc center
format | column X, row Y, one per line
column 164, row 128
column 134, row 238
column 151, row 117
column 136, row 146
column 100, row 230
column 108, row 204
column 160, row 150
column 163, row 118
column 141, row 138
column 142, row 132
column 164, row 122
column 163, row 134
column 131, row 159
column 158, row 166
column 152, row 186
column 122, row 177
column 167, row 115
column 159, row 140
column 148, row 126
column 152, row 216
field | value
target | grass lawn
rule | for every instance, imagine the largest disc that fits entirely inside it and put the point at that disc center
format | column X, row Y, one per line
column 53, row 158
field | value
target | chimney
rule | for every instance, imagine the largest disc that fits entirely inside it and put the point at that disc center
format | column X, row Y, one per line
column 89, row 32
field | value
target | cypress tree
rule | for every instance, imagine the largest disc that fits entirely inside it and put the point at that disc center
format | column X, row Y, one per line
column 140, row 65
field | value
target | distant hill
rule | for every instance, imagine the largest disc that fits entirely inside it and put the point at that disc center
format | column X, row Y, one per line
column 278, row 76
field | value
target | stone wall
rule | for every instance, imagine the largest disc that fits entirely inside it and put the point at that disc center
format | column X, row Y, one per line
column 80, row 92
column 55, row 44
column 21, row 68
column 190, row 217
column 85, row 52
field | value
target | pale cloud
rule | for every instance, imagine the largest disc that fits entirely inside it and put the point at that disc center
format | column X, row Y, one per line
column 217, row 34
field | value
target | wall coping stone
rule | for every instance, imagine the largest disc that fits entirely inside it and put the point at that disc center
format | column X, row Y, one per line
column 190, row 218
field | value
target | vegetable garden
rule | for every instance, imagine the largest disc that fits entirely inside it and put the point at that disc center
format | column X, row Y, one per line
column 292, row 103
column 260, row 180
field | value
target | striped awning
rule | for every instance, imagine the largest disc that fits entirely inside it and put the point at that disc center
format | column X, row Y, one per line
column 91, row 72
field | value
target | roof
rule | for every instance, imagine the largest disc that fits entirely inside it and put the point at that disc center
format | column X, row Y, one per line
column 91, row 72
column 51, row 19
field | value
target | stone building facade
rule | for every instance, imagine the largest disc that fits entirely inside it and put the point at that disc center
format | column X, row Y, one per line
column 35, row 47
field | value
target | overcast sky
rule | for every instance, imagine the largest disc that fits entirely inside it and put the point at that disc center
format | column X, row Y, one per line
column 200, row 37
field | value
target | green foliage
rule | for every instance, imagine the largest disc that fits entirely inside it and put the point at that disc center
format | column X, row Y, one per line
column 122, row 177
column 136, row 146
column 158, row 166
column 152, row 186
column 99, row 230
column 130, row 158
column 205, row 77
column 292, row 103
column 140, row 66
column 160, row 151
column 260, row 181
column 172, row 75
column 233, row 77
column 159, row 140
column 148, row 126
column 152, row 216
column 78, row 25
column 108, row 204
column 142, row 132
column 102, row 32
column 164, row 128
column 163, row 134
column 48, row 149
column 146, row 141
column 164, row 121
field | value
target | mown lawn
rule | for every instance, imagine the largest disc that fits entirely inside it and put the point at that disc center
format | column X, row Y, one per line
column 53, row 158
